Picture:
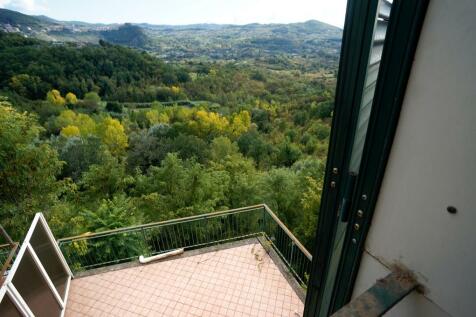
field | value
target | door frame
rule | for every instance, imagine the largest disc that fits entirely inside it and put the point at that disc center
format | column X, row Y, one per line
column 404, row 28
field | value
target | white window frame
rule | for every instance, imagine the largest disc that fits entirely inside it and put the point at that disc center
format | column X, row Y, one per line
column 9, row 289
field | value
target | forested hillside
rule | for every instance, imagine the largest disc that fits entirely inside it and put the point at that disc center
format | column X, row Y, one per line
column 310, row 45
column 103, row 136
column 31, row 68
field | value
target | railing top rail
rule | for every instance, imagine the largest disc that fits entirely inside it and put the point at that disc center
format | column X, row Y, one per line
column 192, row 218
column 288, row 232
column 161, row 223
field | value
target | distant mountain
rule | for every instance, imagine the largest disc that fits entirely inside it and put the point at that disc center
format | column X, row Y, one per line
column 45, row 19
column 127, row 34
column 19, row 19
column 259, row 42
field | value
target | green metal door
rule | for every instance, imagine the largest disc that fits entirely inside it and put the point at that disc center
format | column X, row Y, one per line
column 362, row 47
column 380, row 23
column 380, row 38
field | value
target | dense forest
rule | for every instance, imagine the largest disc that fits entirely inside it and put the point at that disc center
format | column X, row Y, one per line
column 104, row 136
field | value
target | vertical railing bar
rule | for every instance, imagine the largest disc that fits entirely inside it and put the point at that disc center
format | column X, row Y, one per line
column 263, row 221
column 207, row 231
column 193, row 232
column 292, row 253
column 222, row 227
column 160, row 239
column 233, row 225
column 189, row 230
column 114, row 252
column 282, row 242
column 145, row 240
column 300, row 265
column 285, row 247
column 156, row 244
column 174, row 236
column 229, row 227
column 183, row 242
column 75, row 257
column 165, row 239
column 241, row 227
column 150, row 242
column 173, row 243
column 169, row 238
column 180, row 242
column 88, row 257
column 198, row 231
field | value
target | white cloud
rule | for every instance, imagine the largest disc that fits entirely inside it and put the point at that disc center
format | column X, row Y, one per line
column 4, row 3
column 28, row 6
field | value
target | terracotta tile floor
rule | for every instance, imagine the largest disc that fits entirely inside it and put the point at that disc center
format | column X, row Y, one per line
column 240, row 281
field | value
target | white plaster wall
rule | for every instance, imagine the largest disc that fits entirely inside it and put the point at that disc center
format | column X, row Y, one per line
column 433, row 165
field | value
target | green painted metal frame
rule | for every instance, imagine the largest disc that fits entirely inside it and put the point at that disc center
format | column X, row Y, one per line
column 406, row 21
column 355, row 50
column 402, row 37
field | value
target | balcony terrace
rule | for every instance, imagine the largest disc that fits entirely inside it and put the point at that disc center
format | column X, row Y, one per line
column 238, row 280
column 241, row 262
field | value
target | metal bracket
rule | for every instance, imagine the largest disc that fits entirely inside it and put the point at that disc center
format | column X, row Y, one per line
column 381, row 297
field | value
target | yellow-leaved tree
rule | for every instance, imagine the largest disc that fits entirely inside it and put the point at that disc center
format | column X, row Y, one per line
column 54, row 96
column 155, row 117
column 70, row 131
column 206, row 123
column 175, row 90
column 85, row 124
column 71, row 98
column 113, row 135
column 240, row 123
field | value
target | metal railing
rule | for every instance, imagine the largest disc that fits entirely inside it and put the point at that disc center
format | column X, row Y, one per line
column 110, row 247
column 7, row 253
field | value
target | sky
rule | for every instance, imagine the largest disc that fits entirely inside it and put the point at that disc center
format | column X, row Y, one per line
column 184, row 11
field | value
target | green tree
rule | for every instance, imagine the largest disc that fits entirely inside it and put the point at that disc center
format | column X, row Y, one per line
column 243, row 187
column 28, row 86
column 254, row 145
column 113, row 106
column 221, row 148
column 288, row 154
column 280, row 188
column 104, row 180
column 117, row 212
column 54, row 97
column 91, row 101
column 28, row 170
column 179, row 188
column 114, row 213
column 79, row 154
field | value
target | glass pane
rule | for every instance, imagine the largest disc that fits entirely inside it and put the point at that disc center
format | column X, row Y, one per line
column 373, row 67
column 7, row 308
column 51, row 262
column 33, row 288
